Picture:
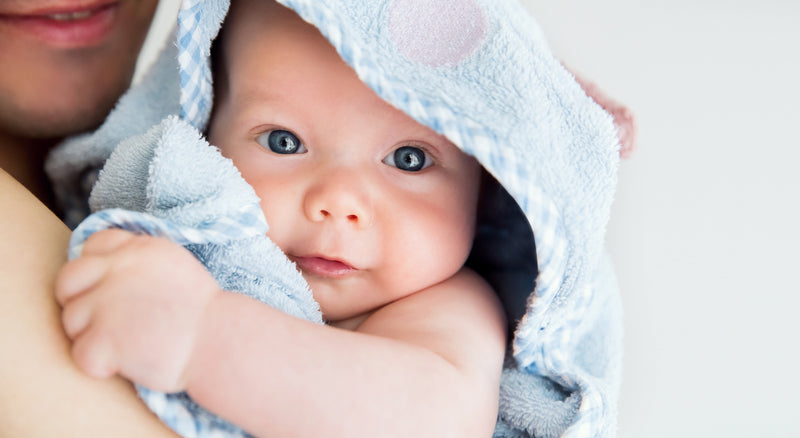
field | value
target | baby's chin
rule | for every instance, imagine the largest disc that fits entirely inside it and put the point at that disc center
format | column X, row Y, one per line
column 351, row 323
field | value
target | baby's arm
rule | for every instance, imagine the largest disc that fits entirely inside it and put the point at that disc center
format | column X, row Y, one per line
column 427, row 365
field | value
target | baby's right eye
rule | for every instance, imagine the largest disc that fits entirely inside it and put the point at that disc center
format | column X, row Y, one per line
column 281, row 142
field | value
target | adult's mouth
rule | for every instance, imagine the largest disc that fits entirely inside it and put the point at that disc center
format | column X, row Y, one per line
column 72, row 24
column 323, row 267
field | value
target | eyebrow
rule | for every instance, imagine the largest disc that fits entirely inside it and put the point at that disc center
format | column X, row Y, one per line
column 260, row 94
column 260, row 106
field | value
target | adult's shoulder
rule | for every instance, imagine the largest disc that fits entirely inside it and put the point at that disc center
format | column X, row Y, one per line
column 30, row 232
column 44, row 394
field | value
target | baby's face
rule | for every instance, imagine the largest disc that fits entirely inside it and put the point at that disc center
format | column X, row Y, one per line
column 371, row 205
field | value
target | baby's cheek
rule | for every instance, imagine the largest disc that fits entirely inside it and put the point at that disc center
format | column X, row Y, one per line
column 275, row 226
column 275, row 235
column 449, row 235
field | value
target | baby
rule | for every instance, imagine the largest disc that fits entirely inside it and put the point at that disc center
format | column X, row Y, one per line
column 378, row 213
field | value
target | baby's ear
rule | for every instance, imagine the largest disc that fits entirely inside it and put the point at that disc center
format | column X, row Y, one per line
column 624, row 119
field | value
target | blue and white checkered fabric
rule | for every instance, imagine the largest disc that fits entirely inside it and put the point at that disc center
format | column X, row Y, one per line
column 198, row 23
column 186, row 418
column 195, row 74
column 248, row 222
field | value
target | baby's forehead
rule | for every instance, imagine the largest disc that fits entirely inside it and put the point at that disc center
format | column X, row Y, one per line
column 255, row 20
column 263, row 29
column 269, row 48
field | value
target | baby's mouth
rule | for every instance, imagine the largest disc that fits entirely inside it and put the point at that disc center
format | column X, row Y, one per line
column 323, row 267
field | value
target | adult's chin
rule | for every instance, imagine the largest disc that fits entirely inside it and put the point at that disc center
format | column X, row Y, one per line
column 51, row 89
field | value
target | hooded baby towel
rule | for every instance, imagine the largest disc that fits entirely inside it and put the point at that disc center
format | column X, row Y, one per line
column 477, row 71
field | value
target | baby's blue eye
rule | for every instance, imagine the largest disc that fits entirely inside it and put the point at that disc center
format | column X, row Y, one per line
column 281, row 142
column 408, row 158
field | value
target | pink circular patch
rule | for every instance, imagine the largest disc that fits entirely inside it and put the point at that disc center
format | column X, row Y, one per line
column 437, row 32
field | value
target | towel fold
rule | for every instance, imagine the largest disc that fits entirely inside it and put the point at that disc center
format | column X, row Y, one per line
column 169, row 182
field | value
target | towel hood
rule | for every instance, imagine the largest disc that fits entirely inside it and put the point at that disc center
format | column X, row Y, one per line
column 480, row 73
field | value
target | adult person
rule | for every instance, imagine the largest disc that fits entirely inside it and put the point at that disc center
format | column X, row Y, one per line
column 63, row 65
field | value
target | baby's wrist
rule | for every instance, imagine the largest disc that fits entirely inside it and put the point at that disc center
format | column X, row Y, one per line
column 205, row 336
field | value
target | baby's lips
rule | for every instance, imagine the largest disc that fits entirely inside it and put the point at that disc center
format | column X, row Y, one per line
column 323, row 267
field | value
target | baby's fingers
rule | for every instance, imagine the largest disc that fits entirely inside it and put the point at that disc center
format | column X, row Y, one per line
column 106, row 241
column 93, row 352
column 78, row 276
column 77, row 315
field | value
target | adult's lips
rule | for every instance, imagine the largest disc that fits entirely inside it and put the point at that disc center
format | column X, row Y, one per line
column 72, row 24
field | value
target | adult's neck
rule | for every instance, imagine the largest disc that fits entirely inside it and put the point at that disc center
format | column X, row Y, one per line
column 23, row 159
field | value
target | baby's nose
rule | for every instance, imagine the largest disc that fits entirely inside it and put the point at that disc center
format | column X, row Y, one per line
column 340, row 198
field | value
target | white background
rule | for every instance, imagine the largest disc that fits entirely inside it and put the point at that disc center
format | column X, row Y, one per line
column 706, row 226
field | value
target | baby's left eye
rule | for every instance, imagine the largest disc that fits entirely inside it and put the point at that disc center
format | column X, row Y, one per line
column 408, row 158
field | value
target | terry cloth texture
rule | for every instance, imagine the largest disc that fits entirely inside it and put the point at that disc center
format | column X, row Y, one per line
column 480, row 73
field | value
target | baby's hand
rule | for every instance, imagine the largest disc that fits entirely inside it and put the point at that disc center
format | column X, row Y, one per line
column 133, row 305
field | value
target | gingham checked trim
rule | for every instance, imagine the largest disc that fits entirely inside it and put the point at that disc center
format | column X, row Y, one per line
column 550, row 355
column 182, row 420
column 589, row 422
column 475, row 139
column 245, row 223
column 195, row 71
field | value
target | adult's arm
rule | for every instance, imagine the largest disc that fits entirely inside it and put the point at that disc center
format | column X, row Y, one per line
column 43, row 394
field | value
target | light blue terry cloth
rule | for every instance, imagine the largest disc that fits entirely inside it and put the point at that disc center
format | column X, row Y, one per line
column 169, row 182
column 72, row 167
column 480, row 73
